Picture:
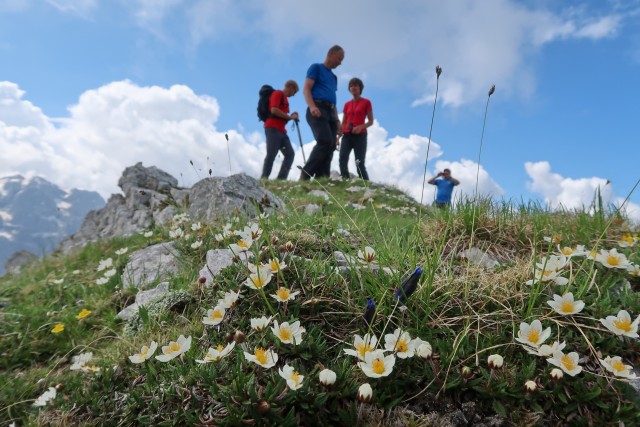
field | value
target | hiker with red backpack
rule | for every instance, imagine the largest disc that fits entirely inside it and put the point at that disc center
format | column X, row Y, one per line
column 275, row 115
column 320, row 87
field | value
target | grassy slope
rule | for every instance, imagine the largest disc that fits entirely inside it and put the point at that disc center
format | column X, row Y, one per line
column 465, row 312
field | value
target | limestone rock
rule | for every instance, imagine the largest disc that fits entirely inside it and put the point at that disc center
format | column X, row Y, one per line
column 143, row 298
column 217, row 260
column 18, row 260
column 150, row 265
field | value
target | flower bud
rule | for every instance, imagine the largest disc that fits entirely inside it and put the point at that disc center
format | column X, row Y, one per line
column 274, row 240
column 492, row 90
column 495, row 361
column 530, row 386
column 263, row 407
column 438, row 71
column 228, row 337
column 288, row 247
column 466, row 372
column 424, row 351
column 202, row 280
column 365, row 393
column 327, row 377
column 239, row 337
column 556, row 374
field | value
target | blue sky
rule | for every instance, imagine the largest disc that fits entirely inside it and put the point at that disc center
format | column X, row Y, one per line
column 89, row 87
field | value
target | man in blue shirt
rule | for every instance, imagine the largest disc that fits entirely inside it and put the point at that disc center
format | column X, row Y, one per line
column 320, row 87
column 445, row 183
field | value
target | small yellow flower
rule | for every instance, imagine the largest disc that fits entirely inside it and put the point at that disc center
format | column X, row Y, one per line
column 59, row 327
column 84, row 313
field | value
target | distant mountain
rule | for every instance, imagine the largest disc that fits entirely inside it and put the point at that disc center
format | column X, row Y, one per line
column 35, row 215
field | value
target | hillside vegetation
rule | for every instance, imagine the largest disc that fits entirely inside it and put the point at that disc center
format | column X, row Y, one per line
column 459, row 344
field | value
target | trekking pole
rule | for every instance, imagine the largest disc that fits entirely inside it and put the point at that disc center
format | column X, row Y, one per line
column 300, row 139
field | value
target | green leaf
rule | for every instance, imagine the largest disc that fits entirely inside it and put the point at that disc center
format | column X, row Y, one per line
column 499, row 408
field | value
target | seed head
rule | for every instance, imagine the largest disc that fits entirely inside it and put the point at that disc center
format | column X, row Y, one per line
column 492, row 90
column 438, row 71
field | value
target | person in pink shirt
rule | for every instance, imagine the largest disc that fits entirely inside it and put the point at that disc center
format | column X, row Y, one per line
column 357, row 117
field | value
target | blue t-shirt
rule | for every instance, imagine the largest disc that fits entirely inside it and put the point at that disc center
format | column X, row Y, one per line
column 325, row 83
column 445, row 189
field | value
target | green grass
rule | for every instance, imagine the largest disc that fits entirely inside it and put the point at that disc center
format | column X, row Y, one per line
column 465, row 312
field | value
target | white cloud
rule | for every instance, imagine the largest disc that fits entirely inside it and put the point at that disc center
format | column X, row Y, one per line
column 78, row 7
column 574, row 194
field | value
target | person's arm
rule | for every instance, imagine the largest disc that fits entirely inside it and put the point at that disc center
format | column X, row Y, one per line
column 277, row 112
column 367, row 123
column 455, row 181
column 432, row 181
column 306, row 91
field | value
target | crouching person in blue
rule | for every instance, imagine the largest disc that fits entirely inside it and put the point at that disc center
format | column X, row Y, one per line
column 445, row 183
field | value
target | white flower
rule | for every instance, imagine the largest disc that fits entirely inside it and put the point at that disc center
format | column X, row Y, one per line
column 621, row 324
column 148, row 234
column 546, row 350
column 547, row 276
column 532, row 334
column 284, row 294
column 362, row 346
column 565, row 304
column 567, row 362
column 176, row 233
column 196, row 226
column 252, row 232
column 230, row 299
column 226, row 232
column 288, row 333
column 626, row 241
column 265, row 358
column 495, row 361
column 175, row 349
column 376, row 364
column 122, row 251
column 75, row 272
column 327, row 377
column 293, row 377
column 110, row 273
column 57, row 281
column 260, row 323
column 104, row 264
column 368, row 256
column 214, row 316
column 260, row 278
column 423, row 349
column 276, row 265
column 196, row 244
column 401, row 343
column 81, row 361
column 617, row 367
column 365, row 393
column 530, row 386
column 553, row 263
column 572, row 252
column 145, row 353
column 102, row 281
column 218, row 353
column 45, row 397
column 612, row 259
column 634, row 270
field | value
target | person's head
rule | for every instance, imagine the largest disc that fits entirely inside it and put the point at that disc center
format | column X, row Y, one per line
column 356, row 86
column 446, row 173
column 334, row 57
column 290, row 88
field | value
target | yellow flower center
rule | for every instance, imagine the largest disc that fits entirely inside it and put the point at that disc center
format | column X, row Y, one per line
column 378, row 366
column 401, row 346
column 618, row 366
column 275, row 265
column 261, row 355
column 285, row 334
column 215, row 314
column 627, row 239
column 567, row 307
column 283, row 293
column 623, row 324
column 257, row 281
column 613, row 260
column 295, row 377
column 534, row 336
column 243, row 244
column 220, row 347
column 363, row 348
column 546, row 273
column 143, row 351
column 174, row 347
column 568, row 362
column 566, row 251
